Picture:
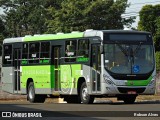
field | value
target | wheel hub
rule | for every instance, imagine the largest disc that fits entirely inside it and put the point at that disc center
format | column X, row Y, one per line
column 31, row 93
column 84, row 93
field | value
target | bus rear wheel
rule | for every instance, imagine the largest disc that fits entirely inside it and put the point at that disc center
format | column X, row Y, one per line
column 32, row 97
column 85, row 97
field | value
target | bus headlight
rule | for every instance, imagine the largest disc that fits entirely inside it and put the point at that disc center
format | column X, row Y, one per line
column 152, row 82
column 109, row 82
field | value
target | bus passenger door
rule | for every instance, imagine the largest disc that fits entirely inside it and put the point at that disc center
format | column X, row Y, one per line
column 16, row 81
column 95, row 68
column 56, row 67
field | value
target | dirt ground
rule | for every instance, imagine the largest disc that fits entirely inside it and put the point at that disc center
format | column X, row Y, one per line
column 138, row 99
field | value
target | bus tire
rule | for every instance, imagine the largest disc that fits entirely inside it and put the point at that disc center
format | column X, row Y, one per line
column 85, row 97
column 129, row 99
column 32, row 97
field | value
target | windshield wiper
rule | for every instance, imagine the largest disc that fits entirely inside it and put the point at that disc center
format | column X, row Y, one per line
column 123, row 50
column 137, row 48
column 129, row 52
column 133, row 53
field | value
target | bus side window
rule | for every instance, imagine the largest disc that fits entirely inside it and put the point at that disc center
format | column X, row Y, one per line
column 34, row 53
column 25, row 54
column 70, row 51
column 7, row 57
column 45, row 52
column 83, row 50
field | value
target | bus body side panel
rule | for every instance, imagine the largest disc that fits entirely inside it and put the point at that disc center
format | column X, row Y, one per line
column 7, row 79
column 69, row 78
column 151, row 86
column 41, row 76
column 76, row 73
column 88, row 77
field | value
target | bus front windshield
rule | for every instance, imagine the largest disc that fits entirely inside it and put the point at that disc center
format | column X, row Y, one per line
column 128, row 58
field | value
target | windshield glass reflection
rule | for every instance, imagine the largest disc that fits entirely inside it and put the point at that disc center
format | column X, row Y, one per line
column 129, row 59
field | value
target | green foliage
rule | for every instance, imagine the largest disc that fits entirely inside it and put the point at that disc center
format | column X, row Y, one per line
column 150, row 21
column 158, row 61
column 23, row 16
column 2, row 30
column 53, row 3
column 50, row 16
column 147, row 17
column 1, row 35
column 79, row 15
column 157, row 35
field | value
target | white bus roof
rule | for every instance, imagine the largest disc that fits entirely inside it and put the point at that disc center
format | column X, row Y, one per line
column 89, row 33
column 12, row 40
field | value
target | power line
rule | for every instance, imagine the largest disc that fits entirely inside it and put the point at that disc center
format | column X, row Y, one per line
column 137, row 9
column 144, row 3
column 131, row 12
column 134, row 13
column 137, row 12
column 128, row 16
column 133, row 8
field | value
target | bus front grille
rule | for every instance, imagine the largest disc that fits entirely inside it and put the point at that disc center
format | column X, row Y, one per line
column 126, row 90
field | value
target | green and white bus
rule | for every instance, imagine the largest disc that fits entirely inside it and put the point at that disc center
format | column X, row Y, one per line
column 80, row 66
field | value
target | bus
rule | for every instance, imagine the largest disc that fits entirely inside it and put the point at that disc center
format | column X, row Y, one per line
column 80, row 66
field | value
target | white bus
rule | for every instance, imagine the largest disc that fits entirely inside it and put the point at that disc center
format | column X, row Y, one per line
column 80, row 66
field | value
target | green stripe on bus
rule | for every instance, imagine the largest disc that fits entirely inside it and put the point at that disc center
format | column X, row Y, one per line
column 139, row 82
column 53, row 36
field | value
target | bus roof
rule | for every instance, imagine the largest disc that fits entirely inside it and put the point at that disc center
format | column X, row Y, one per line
column 125, row 31
column 76, row 34
column 11, row 40
column 53, row 36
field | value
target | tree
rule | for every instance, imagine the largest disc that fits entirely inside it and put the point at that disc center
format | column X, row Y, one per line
column 24, row 16
column 157, row 35
column 150, row 21
column 76, row 15
column 2, row 33
column 147, row 19
column 158, row 61
column 2, row 30
column 53, row 3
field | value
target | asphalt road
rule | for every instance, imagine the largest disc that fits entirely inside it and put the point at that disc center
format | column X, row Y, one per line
column 96, row 111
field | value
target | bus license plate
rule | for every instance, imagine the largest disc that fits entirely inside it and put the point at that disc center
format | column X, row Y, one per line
column 131, row 92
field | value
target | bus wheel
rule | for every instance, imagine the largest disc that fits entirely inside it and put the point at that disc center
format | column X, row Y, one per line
column 85, row 97
column 32, row 97
column 129, row 99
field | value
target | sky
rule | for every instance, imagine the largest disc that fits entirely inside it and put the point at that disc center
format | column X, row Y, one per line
column 135, row 7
